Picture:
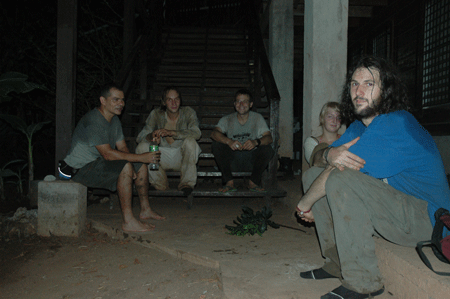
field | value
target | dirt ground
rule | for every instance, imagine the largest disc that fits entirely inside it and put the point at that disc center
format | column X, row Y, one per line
column 96, row 266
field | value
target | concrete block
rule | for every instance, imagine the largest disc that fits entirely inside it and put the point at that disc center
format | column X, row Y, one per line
column 406, row 276
column 34, row 193
column 62, row 208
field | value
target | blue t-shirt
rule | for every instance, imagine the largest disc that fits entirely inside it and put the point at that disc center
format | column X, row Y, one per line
column 398, row 149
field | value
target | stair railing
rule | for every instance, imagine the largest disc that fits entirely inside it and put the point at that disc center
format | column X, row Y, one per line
column 263, row 74
column 150, row 34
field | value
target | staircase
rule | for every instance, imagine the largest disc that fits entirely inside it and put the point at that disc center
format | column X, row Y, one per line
column 208, row 66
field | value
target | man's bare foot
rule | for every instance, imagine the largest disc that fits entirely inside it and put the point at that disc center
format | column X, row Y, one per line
column 229, row 187
column 251, row 184
column 149, row 214
column 135, row 226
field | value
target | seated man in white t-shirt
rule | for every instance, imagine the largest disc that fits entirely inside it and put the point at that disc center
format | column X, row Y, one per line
column 242, row 143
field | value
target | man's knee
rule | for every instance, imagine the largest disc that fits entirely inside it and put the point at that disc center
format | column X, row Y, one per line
column 216, row 146
column 143, row 147
column 310, row 175
column 127, row 169
column 189, row 144
column 263, row 154
column 338, row 178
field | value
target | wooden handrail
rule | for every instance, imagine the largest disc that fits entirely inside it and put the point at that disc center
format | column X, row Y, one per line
column 266, row 71
column 151, row 30
column 129, row 61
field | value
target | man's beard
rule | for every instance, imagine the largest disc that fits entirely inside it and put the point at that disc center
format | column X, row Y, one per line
column 368, row 111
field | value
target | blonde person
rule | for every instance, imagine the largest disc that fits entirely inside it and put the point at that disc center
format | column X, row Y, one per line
column 330, row 121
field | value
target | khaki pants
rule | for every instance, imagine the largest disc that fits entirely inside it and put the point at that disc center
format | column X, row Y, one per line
column 183, row 157
column 356, row 208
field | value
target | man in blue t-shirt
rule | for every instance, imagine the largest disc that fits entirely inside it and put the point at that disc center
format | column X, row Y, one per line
column 383, row 177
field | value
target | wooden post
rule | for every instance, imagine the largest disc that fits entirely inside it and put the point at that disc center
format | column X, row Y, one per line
column 143, row 70
column 66, row 50
column 128, row 35
column 269, row 180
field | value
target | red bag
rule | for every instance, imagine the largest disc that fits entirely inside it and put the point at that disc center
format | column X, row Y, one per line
column 445, row 242
column 440, row 245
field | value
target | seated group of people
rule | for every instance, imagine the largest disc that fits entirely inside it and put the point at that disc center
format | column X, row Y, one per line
column 383, row 177
column 99, row 156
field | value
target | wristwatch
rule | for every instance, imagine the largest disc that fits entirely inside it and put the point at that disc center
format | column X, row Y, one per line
column 258, row 141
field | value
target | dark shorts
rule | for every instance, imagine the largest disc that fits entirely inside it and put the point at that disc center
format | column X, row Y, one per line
column 102, row 173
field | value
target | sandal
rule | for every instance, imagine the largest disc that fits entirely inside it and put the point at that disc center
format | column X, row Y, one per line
column 344, row 293
column 257, row 189
column 226, row 189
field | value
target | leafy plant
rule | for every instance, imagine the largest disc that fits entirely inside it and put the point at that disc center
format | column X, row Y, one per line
column 20, row 180
column 19, row 124
column 6, row 172
column 250, row 223
column 17, row 82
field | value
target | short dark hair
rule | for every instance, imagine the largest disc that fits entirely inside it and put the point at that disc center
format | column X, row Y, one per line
column 244, row 91
column 105, row 89
column 164, row 94
column 393, row 90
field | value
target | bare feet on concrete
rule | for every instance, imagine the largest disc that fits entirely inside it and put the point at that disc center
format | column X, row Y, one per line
column 150, row 214
column 136, row 226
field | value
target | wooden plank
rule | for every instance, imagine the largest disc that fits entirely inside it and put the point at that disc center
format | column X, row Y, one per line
column 209, row 68
column 216, row 193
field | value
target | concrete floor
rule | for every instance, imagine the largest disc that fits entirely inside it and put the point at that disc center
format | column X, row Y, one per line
column 254, row 266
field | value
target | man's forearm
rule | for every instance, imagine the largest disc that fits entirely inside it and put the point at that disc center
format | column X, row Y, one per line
column 266, row 139
column 114, row 155
column 317, row 189
column 220, row 137
column 193, row 132
column 318, row 158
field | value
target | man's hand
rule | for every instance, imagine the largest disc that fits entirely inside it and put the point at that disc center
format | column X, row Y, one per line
column 235, row 145
column 307, row 217
column 164, row 133
column 151, row 157
column 152, row 137
column 249, row 145
column 340, row 157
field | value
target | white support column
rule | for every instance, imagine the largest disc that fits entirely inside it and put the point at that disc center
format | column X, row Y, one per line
column 281, row 57
column 325, row 59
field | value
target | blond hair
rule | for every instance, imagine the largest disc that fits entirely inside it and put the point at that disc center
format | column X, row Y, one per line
column 332, row 105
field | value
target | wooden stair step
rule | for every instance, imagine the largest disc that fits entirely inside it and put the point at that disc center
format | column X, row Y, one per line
column 190, row 29
column 233, row 86
column 215, row 48
column 206, row 81
column 209, row 56
column 216, row 193
column 208, row 92
column 199, row 74
column 209, row 67
column 185, row 60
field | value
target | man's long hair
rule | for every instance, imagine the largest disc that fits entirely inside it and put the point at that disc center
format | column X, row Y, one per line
column 393, row 90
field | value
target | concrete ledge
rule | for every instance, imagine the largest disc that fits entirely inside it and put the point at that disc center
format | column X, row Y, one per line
column 406, row 276
column 142, row 240
column 62, row 208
